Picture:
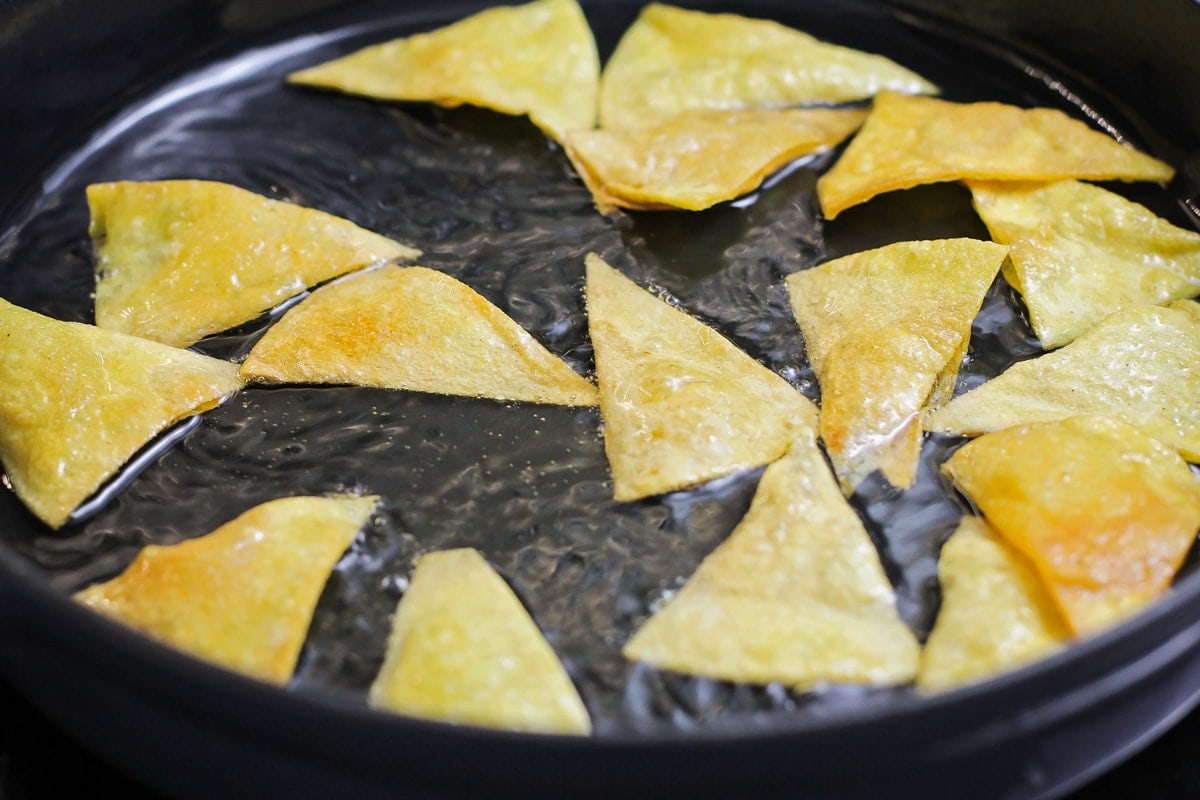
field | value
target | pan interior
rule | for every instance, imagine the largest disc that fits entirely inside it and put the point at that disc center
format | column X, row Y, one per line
column 492, row 202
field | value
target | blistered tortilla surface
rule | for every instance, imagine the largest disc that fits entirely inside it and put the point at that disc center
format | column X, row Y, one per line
column 1079, row 252
column 80, row 401
column 796, row 594
column 537, row 59
column 1104, row 512
column 697, row 159
column 242, row 596
column 911, row 140
column 674, row 59
column 680, row 403
column 1140, row 364
column 995, row 614
column 886, row 330
column 463, row 649
column 412, row 328
column 181, row 259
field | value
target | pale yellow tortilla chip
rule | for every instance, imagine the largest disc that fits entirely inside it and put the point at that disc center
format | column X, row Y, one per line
column 673, row 59
column 1079, row 252
column 242, row 596
column 795, row 595
column 79, row 401
column 910, row 140
column 464, row 650
column 537, row 59
column 1105, row 513
column 1140, row 364
column 179, row 260
column 698, row 159
column 417, row 329
column 680, row 403
column 995, row 614
column 884, row 329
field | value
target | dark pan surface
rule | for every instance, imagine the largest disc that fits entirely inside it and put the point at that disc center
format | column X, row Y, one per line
column 491, row 202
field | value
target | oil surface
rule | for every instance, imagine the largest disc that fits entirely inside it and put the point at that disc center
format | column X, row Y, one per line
column 490, row 201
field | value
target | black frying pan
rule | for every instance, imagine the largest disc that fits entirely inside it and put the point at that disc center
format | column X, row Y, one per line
column 154, row 90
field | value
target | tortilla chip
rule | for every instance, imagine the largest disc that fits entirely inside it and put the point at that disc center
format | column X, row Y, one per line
column 179, row 260
column 1080, row 252
column 795, row 595
column 681, row 404
column 1105, row 512
column 1140, row 364
column 417, row 329
column 673, row 59
column 79, row 401
column 995, row 616
column 463, row 649
column 242, row 596
column 884, row 329
column 538, row 59
column 698, row 159
column 908, row 141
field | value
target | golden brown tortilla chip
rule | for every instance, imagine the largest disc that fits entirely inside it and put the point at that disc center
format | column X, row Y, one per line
column 79, row 401
column 995, row 614
column 698, row 159
column 884, row 329
column 796, row 594
column 673, row 59
column 1079, row 252
column 1105, row 512
column 417, row 329
column 1140, row 364
column 537, row 59
column 680, row 403
column 179, row 260
column 908, row 141
column 463, row 649
column 242, row 596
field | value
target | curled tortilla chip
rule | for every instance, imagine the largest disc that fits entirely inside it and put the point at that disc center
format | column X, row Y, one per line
column 242, row 596
column 463, row 649
column 1079, row 252
column 995, row 615
column 537, row 59
column 884, row 330
column 417, row 329
column 698, row 159
column 796, row 594
column 910, row 140
column 80, row 401
column 179, row 260
column 1140, row 364
column 1104, row 512
column 680, row 403
column 673, row 59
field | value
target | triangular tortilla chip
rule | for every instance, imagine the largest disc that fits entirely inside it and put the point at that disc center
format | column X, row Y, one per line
column 79, row 401
column 673, row 59
column 995, row 613
column 1078, row 252
column 884, row 329
column 538, row 59
column 417, row 329
column 179, row 260
column 796, row 594
column 698, row 159
column 908, row 141
column 242, row 596
column 1140, row 364
column 463, row 649
column 1105, row 512
column 681, row 404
